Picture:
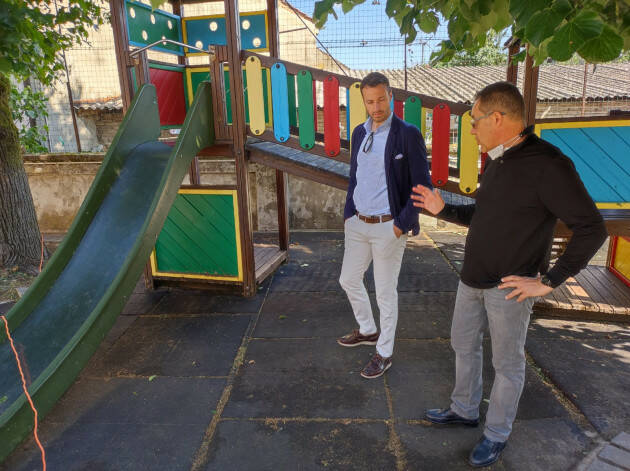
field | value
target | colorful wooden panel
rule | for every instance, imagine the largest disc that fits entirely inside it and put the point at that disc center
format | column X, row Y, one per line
column 398, row 109
column 468, row 154
column 620, row 258
column 256, row 104
column 413, row 111
column 203, row 31
column 305, row 109
column 331, row 116
column 358, row 114
column 280, row 101
column 145, row 26
column 169, row 85
column 291, row 91
column 315, row 120
column 266, row 95
column 600, row 154
column 193, row 78
column 200, row 238
column 440, row 144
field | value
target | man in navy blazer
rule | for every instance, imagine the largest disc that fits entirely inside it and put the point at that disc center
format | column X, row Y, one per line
column 388, row 158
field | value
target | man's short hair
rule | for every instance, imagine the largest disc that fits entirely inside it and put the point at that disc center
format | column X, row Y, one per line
column 502, row 96
column 373, row 79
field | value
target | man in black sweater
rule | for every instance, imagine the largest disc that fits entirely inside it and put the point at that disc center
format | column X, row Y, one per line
column 527, row 185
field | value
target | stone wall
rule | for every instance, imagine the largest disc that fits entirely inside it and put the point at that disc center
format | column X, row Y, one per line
column 59, row 183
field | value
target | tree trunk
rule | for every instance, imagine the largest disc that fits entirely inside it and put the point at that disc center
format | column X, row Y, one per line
column 20, row 240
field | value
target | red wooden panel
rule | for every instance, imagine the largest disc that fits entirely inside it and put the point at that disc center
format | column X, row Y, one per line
column 331, row 115
column 439, row 153
column 484, row 156
column 315, row 102
column 398, row 109
column 170, row 95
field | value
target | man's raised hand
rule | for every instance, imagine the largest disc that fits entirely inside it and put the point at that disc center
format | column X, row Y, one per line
column 424, row 198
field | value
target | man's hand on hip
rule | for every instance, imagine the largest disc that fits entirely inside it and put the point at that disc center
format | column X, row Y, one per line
column 426, row 199
column 397, row 231
column 524, row 287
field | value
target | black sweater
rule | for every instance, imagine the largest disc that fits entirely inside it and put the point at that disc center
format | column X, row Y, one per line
column 521, row 196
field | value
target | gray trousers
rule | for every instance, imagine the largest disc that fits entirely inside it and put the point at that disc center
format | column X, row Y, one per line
column 476, row 309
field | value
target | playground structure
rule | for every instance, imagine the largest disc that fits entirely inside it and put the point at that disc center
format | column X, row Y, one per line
column 254, row 108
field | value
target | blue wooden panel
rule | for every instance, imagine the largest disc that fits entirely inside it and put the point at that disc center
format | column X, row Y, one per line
column 567, row 143
column 280, row 101
column 202, row 32
column 614, row 143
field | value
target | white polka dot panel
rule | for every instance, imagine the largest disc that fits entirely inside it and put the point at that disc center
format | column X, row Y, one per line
column 152, row 19
column 213, row 26
column 256, row 42
column 132, row 12
column 170, row 24
column 145, row 36
column 246, row 24
column 199, row 44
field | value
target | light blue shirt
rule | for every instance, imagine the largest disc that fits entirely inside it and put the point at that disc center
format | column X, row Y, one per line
column 370, row 195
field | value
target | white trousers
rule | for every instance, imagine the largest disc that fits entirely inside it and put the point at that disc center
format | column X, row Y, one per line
column 365, row 243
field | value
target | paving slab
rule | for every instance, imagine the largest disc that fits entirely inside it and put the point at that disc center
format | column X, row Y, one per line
column 568, row 329
column 143, row 302
column 542, row 445
column 203, row 302
column 615, row 456
column 622, row 441
column 451, row 243
column 124, row 423
column 317, row 276
column 109, row 447
column 305, row 378
column 6, row 307
column 258, row 445
column 422, row 377
column 174, row 346
column 290, row 315
column 593, row 373
column 329, row 314
column 316, row 251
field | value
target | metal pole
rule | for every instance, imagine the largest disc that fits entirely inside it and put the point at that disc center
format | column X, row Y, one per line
column 405, row 46
column 584, row 89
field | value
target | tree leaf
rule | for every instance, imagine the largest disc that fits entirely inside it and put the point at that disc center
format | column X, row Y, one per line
column 562, row 7
column 394, row 6
column 542, row 25
column 428, row 22
column 523, row 10
column 457, row 27
column 484, row 7
column 605, row 48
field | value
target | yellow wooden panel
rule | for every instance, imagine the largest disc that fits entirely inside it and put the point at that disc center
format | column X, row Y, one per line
column 358, row 114
column 622, row 257
column 613, row 205
column 255, row 97
column 468, row 156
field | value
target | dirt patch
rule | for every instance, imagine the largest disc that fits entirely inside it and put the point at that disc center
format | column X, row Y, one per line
column 10, row 280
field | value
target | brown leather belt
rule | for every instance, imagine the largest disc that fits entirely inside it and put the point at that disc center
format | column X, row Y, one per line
column 374, row 219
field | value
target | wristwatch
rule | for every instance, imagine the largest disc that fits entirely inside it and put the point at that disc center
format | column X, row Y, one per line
column 546, row 281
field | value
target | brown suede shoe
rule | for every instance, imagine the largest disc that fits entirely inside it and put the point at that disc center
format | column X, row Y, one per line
column 355, row 338
column 376, row 367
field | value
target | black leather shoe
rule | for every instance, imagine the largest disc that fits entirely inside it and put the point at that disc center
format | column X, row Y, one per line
column 485, row 452
column 447, row 417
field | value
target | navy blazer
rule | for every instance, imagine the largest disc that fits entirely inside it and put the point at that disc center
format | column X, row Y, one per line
column 402, row 173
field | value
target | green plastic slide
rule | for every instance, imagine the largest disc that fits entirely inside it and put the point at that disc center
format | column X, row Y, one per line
column 67, row 312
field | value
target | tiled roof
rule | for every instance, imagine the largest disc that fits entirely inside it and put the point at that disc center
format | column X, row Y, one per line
column 107, row 104
column 555, row 82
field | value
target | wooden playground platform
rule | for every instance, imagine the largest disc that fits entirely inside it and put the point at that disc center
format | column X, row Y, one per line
column 595, row 294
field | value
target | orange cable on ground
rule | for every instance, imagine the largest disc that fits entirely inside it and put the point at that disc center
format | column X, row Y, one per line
column 28, row 396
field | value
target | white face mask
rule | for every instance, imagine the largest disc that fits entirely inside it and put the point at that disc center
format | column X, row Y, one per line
column 499, row 150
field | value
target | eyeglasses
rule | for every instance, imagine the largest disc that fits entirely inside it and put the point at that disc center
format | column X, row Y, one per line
column 474, row 121
column 368, row 143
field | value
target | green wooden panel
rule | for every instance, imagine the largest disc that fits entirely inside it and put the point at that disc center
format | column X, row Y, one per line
column 305, row 109
column 199, row 236
column 145, row 26
column 228, row 100
column 196, row 77
column 413, row 111
column 292, row 102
